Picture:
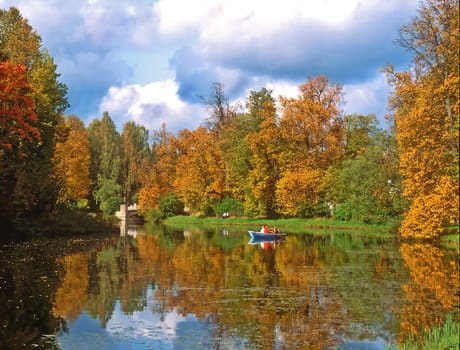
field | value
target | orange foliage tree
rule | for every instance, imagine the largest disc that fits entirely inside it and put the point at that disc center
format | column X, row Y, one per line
column 311, row 127
column 264, row 174
column 161, row 172
column 426, row 115
column 200, row 176
column 72, row 162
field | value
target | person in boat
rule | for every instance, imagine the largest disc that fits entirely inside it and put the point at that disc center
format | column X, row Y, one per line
column 275, row 229
column 264, row 229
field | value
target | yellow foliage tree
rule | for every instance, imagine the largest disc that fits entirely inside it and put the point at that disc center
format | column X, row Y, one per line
column 312, row 135
column 298, row 191
column 311, row 125
column 426, row 116
column 72, row 161
column 264, row 173
column 200, row 176
column 158, row 177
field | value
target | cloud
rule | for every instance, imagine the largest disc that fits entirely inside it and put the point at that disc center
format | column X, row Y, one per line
column 105, row 49
column 228, row 42
column 369, row 97
column 152, row 105
column 85, row 39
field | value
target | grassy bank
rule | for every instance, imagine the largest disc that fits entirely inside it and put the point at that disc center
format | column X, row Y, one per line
column 443, row 337
column 283, row 224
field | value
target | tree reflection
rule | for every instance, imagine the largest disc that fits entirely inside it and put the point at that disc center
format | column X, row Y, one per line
column 309, row 292
column 72, row 295
column 28, row 276
column 433, row 289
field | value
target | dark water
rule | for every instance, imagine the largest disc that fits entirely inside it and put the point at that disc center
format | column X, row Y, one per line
column 194, row 288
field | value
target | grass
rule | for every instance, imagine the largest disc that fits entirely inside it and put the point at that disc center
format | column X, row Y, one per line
column 445, row 337
column 286, row 224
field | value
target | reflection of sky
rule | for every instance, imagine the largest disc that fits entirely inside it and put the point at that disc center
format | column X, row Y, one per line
column 145, row 329
column 149, row 329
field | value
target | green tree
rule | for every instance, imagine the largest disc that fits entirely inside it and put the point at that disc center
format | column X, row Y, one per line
column 235, row 146
column 105, row 148
column 136, row 157
column 359, row 131
column 366, row 187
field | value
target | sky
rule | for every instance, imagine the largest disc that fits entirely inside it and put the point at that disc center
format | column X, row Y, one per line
column 152, row 61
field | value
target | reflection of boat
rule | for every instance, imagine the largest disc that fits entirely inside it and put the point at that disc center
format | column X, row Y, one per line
column 266, row 237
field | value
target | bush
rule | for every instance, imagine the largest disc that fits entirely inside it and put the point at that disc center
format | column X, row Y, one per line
column 170, row 205
column 227, row 205
column 343, row 212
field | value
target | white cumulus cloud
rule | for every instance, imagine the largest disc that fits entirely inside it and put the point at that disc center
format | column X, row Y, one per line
column 151, row 105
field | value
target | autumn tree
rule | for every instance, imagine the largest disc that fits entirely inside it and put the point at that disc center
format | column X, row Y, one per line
column 20, row 44
column 18, row 127
column 426, row 117
column 31, row 184
column 311, row 130
column 160, row 173
column 236, row 150
column 18, row 119
column 72, row 162
column 199, row 178
column 264, row 144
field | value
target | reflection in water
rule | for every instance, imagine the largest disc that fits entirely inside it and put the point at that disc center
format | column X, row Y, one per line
column 164, row 288
column 434, row 286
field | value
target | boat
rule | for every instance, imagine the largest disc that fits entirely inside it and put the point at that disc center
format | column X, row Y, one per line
column 263, row 237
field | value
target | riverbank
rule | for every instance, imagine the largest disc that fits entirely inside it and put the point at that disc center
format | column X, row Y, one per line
column 443, row 337
column 64, row 222
column 314, row 225
column 295, row 225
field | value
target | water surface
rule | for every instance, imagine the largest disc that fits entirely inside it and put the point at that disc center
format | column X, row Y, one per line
column 158, row 287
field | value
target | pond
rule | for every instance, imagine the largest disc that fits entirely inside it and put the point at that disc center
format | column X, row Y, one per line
column 159, row 287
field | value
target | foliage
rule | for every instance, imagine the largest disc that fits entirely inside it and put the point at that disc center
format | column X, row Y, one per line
column 26, row 175
column 170, row 205
column 105, row 171
column 108, row 196
column 18, row 119
column 199, row 166
column 161, row 172
column 72, row 162
column 430, row 214
column 426, row 116
column 442, row 337
column 311, row 125
column 366, row 187
column 136, row 157
column 228, row 205
column 264, row 144
column 298, row 192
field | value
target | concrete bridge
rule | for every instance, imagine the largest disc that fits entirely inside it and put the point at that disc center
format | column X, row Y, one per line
column 128, row 212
